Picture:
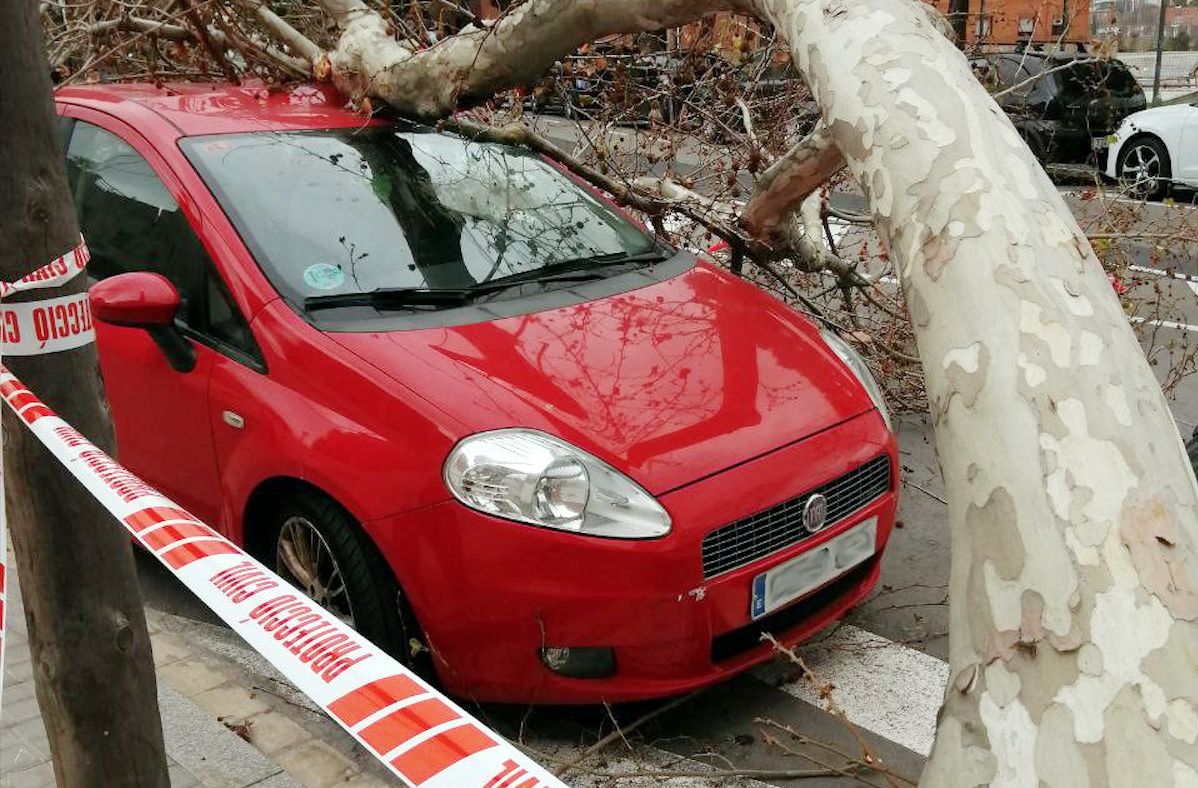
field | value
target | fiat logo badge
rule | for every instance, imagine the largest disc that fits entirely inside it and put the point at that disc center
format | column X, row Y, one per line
column 815, row 512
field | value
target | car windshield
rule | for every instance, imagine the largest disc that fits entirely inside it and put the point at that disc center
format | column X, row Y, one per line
column 358, row 210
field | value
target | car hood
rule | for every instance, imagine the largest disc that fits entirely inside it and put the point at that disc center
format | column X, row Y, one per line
column 669, row 383
column 1159, row 114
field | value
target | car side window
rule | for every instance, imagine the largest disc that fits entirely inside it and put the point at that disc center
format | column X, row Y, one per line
column 132, row 223
column 1014, row 72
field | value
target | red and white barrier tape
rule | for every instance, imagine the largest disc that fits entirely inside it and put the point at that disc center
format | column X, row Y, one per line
column 33, row 327
column 30, row 328
column 52, row 274
column 419, row 734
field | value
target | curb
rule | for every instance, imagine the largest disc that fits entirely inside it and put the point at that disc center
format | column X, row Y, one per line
column 266, row 721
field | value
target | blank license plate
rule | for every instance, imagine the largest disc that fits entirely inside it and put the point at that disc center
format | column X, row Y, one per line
column 809, row 571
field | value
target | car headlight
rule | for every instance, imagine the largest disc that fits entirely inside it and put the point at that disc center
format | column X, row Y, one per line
column 534, row 478
column 852, row 359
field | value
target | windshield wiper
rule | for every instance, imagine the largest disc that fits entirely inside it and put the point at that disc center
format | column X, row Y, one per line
column 395, row 298
column 581, row 269
column 556, row 271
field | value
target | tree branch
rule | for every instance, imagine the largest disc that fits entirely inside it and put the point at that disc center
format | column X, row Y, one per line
column 215, row 50
column 218, row 39
column 477, row 63
column 519, row 134
column 284, row 33
column 788, row 181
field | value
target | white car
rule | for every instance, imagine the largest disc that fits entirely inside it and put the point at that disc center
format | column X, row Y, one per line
column 1155, row 149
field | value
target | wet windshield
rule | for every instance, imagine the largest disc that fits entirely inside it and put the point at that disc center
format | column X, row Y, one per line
column 356, row 210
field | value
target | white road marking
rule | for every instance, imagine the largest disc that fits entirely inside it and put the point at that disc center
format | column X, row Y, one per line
column 884, row 687
column 1163, row 323
column 1143, row 269
column 1192, row 281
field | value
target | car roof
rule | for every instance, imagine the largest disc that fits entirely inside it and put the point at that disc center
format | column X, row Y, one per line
column 216, row 108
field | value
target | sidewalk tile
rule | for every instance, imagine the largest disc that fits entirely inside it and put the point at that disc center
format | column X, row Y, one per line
column 280, row 780
column 181, row 778
column 216, row 756
column 15, row 673
column 16, row 753
column 167, row 649
column 40, row 776
column 18, row 710
column 229, row 700
column 367, row 781
column 190, row 676
column 270, row 732
column 33, row 732
column 19, row 691
column 316, row 764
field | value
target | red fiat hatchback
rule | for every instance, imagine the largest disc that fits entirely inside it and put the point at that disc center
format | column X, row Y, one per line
column 464, row 402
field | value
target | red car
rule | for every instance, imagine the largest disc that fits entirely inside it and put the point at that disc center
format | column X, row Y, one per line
column 463, row 401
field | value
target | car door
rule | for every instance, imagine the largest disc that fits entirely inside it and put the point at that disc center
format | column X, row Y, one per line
column 128, row 204
column 1187, row 152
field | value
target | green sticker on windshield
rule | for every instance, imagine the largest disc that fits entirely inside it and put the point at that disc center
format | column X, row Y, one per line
column 324, row 276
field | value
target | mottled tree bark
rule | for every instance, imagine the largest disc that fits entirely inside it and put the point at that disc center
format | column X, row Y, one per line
column 473, row 65
column 1073, row 593
column 786, row 183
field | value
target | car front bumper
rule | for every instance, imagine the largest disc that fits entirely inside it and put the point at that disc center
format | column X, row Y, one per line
column 490, row 594
column 1115, row 143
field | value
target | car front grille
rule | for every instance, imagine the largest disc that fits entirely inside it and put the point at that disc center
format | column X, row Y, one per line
column 780, row 526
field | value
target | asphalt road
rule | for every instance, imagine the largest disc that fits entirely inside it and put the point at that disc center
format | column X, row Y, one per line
column 885, row 663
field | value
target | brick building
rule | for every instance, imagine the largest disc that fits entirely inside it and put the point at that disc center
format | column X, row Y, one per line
column 1002, row 23
column 1007, row 23
column 1181, row 21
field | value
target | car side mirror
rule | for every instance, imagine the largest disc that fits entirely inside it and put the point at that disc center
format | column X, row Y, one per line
column 147, row 301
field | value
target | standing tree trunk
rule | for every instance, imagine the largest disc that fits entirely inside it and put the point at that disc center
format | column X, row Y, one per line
column 1073, row 511
column 87, row 629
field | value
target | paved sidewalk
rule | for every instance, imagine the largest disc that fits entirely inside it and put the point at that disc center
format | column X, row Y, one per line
column 220, row 730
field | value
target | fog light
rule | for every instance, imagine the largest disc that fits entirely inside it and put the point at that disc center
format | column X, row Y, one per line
column 590, row 662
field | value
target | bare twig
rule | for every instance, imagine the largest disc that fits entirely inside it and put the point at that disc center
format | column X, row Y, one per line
column 283, row 32
column 621, row 732
column 825, row 691
column 218, row 51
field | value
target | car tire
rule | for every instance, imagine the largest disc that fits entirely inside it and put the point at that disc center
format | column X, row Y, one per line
column 309, row 529
column 1147, row 154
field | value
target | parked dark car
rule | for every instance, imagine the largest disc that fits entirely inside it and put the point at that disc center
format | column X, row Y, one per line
column 1061, row 102
column 1192, row 450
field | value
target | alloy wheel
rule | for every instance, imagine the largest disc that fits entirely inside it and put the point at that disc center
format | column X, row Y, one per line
column 304, row 559
column 1141, row 170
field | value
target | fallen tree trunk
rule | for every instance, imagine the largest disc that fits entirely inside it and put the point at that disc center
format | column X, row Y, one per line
column 1074, row 516
column 477, row 63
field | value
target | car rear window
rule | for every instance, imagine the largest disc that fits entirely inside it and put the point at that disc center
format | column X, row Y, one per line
column 1097, row 77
